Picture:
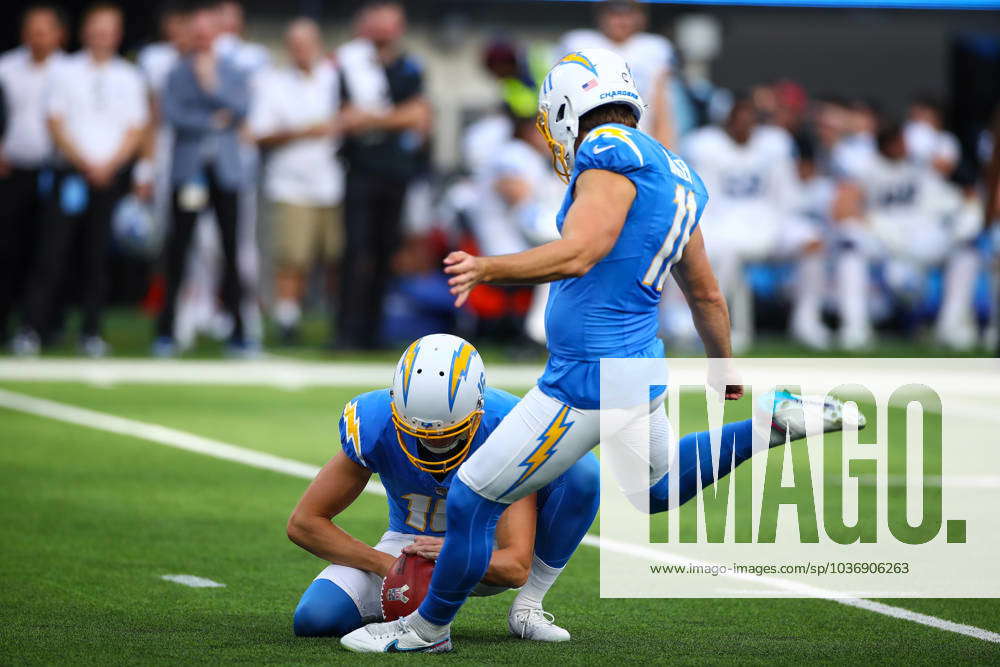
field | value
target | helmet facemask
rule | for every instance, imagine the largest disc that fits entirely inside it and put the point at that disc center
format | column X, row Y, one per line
column 439, row 441
column 562, row 150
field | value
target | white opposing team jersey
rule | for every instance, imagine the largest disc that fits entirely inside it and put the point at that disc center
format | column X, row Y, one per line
column 854, row 155
column 754, row 187
column 776, row 140
column 503, row 229
column 814, row 204
column 908, row 208
column 648, row 56
column 925, row 144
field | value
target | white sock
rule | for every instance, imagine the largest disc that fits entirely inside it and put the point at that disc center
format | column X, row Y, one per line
column 287, row 312
column 808, row 306
column 540, row 580
column 852, row 284
column 426, row 630
column 959, row 287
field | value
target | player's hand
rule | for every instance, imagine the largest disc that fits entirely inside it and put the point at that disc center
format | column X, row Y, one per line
column 466, row 272
column 425, row 546
column 734, row 392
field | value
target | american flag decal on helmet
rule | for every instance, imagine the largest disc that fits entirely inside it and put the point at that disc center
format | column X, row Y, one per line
column 590, row 84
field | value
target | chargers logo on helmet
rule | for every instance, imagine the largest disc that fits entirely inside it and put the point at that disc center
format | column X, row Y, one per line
column 459, row 371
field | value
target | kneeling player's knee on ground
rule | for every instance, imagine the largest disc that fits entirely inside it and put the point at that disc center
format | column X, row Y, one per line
column 325, row 610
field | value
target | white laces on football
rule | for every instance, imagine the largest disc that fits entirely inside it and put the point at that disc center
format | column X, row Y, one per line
column 534, row 616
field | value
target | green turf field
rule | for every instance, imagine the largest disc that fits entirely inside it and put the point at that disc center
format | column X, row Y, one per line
column 90, row 521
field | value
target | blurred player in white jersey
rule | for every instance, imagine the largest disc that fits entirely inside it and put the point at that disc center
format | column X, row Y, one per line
column 518, row 197
column 901, row 220
column 754, row 193
column 621, row 25
column 813, row 209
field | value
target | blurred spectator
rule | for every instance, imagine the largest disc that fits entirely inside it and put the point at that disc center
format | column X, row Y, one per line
column 518, row 198
column 509, row 66
column 156, row 60
column 25, row 150
column 294, row 117
column 855, row 150
column 927, row 142
column 245, row 55
column 385, row 121
column 753, row 187
column 902, row 225
column 620, row 26
column 205, row 101
column 813, row 210
column 97, row 109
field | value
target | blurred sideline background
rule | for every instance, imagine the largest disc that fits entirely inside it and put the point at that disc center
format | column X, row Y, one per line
column 827, row 78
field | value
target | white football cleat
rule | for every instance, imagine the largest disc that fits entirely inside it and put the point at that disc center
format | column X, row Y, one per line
column 789, row 420
column 535, row 624
column 393, row 637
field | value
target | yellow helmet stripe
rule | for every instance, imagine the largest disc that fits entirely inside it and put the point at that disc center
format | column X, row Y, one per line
column 459, row 371
column 409, row 357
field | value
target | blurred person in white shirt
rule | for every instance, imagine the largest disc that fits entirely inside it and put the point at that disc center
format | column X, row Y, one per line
column 152, row 172
column 293, row 119
column 813, row 211
column 900, row 216
column 518, row 199
column 25, row 150
column 246, row 55
column 927, row 142
column 754, row 191
column 620, row 28
column 855, row 151
column 930, row 145
column 97, row 111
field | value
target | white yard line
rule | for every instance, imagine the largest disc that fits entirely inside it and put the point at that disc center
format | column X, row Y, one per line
column 209, row 447
column 192, row 581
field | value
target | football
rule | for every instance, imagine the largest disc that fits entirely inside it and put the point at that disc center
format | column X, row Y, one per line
column 405, row 586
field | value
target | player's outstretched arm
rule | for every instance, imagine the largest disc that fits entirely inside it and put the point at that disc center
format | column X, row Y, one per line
column 593, row 223
column 694, row 276
column 336, row 486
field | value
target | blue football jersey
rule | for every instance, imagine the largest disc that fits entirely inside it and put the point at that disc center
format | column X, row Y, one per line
column 611, row 311
column 416, row 498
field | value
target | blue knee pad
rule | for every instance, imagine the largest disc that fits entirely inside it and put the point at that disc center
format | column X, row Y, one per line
column 325, row 610
column 566, row 510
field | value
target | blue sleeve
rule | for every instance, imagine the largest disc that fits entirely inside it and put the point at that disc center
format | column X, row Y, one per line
column 497, row 404
column 612, row 148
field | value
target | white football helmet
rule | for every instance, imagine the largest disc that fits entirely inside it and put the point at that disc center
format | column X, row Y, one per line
column 581, row 81
column 437, row 396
